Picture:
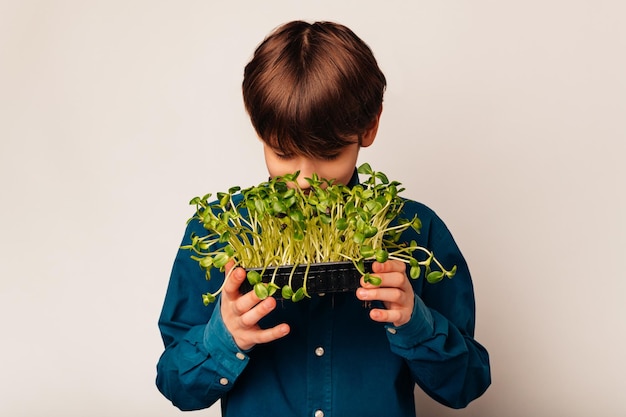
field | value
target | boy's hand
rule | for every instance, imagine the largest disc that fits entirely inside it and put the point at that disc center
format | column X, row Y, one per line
column 395, row 291
column 241, row 313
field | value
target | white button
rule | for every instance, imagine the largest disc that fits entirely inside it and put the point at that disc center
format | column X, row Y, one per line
column 392, row 330
column 319, row 351
column 240, row 356
column 319, row 413
column 224, row 381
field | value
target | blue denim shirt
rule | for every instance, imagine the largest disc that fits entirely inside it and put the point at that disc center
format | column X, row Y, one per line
column 335, row 361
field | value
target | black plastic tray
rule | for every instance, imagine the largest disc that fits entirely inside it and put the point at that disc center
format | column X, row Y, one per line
column 326, row 277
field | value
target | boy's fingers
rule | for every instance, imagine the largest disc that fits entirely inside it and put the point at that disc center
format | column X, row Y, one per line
column 235, row 278
column 388, row 316
column 379, row 315
column 269, row 335
column 387, row 295
column 389, row 266
column 392, row 274
column 245, row 302
column 388, row 280
column 253, row 314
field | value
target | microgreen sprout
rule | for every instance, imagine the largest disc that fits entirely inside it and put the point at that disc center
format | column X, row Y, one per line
column 278, row 223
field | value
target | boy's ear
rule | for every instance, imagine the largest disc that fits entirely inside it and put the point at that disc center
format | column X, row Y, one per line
column 370, row 134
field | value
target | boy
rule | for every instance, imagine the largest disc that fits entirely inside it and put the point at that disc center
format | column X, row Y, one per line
column 314, row 94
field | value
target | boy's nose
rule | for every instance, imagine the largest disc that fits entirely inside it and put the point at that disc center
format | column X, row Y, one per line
column 302, row 182
column 307, row 168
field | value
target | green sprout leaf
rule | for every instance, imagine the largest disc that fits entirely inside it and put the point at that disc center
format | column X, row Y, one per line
column 272, row 288
column 373, row 206
column 415, row 271
column 259, row 207
column 208, row 298
column 297, row 216
column 279, row 207
column 261, row 290
column 225, row 237
column 372, row 279
column 451, row 272
column 359, row 237
column 341, row 224
column 367, row 251
column 298, row 295
column 382, row 177
column 416, row 224
column 291, row 177
column 286, row 292
column 370, row 231
column 253, row 277
column 290, row 201
column 206, row 262
column 223, row 198
column 220, row 260
column 298, row 235
column 326, row 219
column 382, row 256
column 365, row 169
column 434, row 277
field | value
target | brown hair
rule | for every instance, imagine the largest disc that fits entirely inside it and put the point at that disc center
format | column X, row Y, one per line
column 310, row 89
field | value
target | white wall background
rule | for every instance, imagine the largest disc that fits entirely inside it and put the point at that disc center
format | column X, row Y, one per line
column 506, row 117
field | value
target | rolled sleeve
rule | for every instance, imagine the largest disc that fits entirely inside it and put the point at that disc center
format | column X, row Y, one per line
column 220, row 344
column 418, row 329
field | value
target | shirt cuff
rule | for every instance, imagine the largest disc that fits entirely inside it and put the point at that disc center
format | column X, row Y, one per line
column 220, row 345
column 419, row 328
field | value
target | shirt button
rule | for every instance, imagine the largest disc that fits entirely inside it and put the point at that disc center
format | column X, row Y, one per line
column 319, row 413
column 319, row 352
column 240, row 356
column 224, row 381
column 392, row 330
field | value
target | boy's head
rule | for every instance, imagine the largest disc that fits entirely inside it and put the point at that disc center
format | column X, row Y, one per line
column 313, row 89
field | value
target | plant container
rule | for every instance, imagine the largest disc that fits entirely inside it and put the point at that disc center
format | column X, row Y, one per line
column 322, row 278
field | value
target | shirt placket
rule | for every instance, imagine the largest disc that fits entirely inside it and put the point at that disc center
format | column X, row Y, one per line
column 319, row 358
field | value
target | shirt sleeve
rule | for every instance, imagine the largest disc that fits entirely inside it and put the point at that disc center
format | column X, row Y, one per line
column 438, row 342
column 201, row 361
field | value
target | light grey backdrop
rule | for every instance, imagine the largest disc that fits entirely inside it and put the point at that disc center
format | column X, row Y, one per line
column 506, row 117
